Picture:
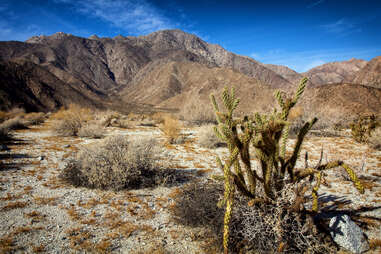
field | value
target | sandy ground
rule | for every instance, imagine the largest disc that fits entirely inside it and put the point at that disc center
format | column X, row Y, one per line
column 39, row 213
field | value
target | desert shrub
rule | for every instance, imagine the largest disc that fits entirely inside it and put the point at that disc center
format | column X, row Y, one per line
column 273, row 227
column 375, row 140
column 4, row 134
column 69, row 121
column 207, row 138
column 117, row 163
column 171, row 128
column 362, row 127
column 16, row 123
column 112, row 119
column 268, row 135
column 35, row 118
column 91, row 130
column 196, row 112
column 196, row 206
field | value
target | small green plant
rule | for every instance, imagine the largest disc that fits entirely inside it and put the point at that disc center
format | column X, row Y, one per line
column 363, row 127
column 268, row 135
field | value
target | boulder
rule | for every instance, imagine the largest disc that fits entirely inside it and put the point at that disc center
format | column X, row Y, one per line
column 347, row 234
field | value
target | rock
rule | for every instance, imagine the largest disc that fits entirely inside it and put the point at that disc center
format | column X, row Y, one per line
column 347, row 234
column 66, row 146
column 41, row 158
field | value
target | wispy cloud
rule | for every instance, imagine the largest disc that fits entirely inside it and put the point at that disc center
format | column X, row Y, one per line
column 132, row 16
column 342, row 27
column 304, row 60
column 314, row 4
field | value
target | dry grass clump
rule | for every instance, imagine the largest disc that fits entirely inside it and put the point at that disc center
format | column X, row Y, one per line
column 197, row 113
column 375, row 140
column 117, row 163
column 207, row 138
column 35, row 118
column 171, row 128
column 70, row 120
column 112, row 119
column 91, row 130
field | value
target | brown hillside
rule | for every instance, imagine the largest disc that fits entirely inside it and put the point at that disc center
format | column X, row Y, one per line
column 370, row 75
column 335, row 72
column 27, row 85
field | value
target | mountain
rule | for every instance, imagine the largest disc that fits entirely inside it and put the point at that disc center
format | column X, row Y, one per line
column 165, row 69
column 30, row 86
column 173, row 83
column 370, row 74
column 287, row 73
column 335, row 72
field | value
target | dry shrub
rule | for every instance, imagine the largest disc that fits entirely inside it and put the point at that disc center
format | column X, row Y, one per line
column 16, row 112
column 70, row 120
column 375, row 140
column 17, row 123
column 117, row 163
column 172, row 130
column 4, row 134
column 35, row 118
column 207, row 138
column 159, row 117
column 112, row 119
column 91, row 130
column 197, row 113
column 274, row 227
column 196, row 206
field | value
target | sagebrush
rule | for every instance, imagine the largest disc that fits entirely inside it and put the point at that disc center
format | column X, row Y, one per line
column 118, row 163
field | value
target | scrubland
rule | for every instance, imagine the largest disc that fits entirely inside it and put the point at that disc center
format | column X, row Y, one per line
column 80, row 180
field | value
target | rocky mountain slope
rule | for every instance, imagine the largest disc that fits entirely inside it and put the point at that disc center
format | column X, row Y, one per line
column 30, row 86
column 285, row 72
column 370, row 74
column 335, row 72
column 162, row 69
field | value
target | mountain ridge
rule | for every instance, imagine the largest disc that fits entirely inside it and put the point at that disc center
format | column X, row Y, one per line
column 162, row 69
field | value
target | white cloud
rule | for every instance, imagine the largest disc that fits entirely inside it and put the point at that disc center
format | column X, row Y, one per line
column 133, row 16
column 316, row 3
column 302, row 61
column 342, row 27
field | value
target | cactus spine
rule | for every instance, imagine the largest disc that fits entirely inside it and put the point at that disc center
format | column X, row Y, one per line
column 268, row 135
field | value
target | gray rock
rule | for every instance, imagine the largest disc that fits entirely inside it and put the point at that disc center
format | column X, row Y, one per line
column 347, row 234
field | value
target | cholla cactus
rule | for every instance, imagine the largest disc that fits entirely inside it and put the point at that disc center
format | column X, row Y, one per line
column 267, row 134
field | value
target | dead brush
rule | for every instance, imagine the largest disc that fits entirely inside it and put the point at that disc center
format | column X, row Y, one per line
column 91, row 130
column 197, row 113
column 375, row 140
column 207, row 138
column 171, row 128
column 116, row 163
column 35, row 118
column 70, row 120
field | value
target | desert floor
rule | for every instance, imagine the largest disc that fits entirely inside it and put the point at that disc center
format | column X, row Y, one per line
column 40, row 213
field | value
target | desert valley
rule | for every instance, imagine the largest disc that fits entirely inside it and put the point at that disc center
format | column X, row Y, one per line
column 109, row 145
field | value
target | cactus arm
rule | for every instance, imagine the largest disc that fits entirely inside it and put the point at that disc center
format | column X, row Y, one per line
column 299, row 92
column 354, row 178
column 315, row 203
column 302, row 133
column 284, row 140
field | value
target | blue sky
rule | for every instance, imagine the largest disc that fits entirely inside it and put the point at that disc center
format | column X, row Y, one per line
column 299, row 34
